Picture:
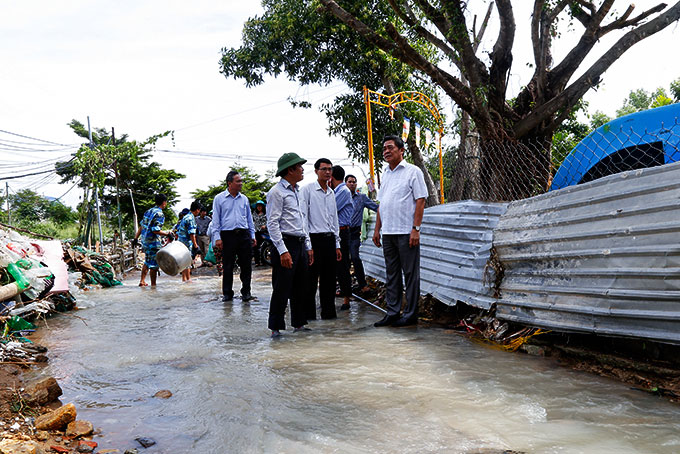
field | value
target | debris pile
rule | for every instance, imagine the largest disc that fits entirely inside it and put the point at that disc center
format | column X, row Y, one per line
column 95, row 267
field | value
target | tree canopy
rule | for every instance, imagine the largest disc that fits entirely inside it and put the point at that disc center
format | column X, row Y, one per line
column 403, row 44
column 254, row 187
column 97, row 167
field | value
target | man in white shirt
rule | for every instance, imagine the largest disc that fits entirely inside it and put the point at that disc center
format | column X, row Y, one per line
column 402, row 202
column 293, row 253
column 321, row 219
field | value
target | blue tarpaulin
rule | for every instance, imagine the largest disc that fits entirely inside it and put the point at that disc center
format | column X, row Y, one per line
column 640, row 140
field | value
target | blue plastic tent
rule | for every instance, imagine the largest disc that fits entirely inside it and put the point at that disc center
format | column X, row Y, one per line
column 643, row 139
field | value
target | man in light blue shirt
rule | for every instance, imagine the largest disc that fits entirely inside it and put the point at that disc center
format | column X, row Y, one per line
column 360, row 201
column 293, row 253
column 234, row 222
column 343, row 200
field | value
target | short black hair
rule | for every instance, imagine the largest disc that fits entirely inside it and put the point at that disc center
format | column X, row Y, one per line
column 320, row 161
column 231, row 175
column 348, row 176
column 196, row 205
column 160, row 198
column 338, row 173
column 397, row 141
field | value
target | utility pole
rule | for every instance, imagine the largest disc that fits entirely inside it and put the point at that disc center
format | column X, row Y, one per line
column 120, row 221
column 9, row 214
column 96, row 193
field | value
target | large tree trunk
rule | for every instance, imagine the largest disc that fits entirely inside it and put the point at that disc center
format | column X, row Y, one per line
column 433, row 193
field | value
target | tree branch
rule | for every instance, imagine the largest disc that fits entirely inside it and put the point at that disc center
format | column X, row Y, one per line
column 501, row 56
column 411, row 21
column 565, row 70
column 401, row 50
column 567, row 98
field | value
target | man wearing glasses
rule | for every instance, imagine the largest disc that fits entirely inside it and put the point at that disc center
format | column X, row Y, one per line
column 402, row 202
column 321, row 221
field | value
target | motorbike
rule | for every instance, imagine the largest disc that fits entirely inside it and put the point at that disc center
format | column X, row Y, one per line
column 266, row 248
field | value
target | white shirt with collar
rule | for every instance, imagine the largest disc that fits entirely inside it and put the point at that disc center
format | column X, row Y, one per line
column 400, row 189
column 284, row 216
column 319, row 210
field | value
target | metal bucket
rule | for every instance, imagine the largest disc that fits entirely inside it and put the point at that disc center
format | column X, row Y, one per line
column 173, row 258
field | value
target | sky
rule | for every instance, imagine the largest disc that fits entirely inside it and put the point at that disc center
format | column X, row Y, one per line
column 144, row 67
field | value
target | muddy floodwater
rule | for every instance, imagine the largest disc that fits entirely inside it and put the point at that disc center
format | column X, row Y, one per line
column 344, row 387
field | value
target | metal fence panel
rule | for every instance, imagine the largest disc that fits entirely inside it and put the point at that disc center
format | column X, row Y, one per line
column 602, row 257
column 455, row 247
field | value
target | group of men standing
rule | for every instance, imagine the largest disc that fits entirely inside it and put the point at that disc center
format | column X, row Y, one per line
column 316, row 232
column 315, row 227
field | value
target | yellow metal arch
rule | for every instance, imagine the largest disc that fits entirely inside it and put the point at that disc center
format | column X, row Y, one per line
column 390, row 101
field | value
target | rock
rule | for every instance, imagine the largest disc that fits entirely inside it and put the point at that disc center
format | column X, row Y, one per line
column 42, row 392
column 131, row 451
column 59, row 449
column 10, row 446
column 86, row 446
column 533, row 350
column 41, row 435
column 79, row 429
column 57, row 419
column 163, row 394
column 145, row 442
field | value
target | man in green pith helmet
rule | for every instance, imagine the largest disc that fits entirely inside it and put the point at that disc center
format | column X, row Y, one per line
column 293, row 249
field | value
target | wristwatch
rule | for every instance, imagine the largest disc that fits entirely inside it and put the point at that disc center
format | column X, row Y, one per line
column 416, row 228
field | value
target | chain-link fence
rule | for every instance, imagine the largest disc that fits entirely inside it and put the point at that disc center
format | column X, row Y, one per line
column 503, row 171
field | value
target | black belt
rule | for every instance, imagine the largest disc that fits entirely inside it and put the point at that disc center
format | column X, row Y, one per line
column 235, row 230
column 344, row 227
column 323, row 235
column 301, row 239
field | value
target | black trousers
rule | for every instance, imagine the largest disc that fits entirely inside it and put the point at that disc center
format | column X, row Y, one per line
column 354, row 245
column 236, row 245
column 401, row 259
column 342, row 267
column 289, row 284
column 322, row 274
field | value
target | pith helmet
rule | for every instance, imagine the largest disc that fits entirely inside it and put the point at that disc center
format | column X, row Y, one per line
column 288, row 160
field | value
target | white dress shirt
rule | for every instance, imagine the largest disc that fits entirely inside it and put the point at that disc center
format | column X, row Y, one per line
column 284, row 215
column 398, row 193
column 319, row 210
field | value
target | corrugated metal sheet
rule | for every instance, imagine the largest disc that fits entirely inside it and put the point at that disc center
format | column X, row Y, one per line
column 455, row 246
column 602, row 257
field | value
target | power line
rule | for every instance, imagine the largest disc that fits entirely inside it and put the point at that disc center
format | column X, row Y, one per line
column 250, row 110
column 33, row 138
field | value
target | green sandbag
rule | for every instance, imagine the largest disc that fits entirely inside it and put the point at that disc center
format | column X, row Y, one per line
column 210, row 256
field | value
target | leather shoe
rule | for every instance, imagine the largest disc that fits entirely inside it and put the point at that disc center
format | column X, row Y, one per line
column 405, row 322
column 248, row 297
column 386, row 321
column 227, row 299
column 345, row 307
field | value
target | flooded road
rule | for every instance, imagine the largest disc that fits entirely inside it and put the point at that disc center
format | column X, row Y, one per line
column 344, row 387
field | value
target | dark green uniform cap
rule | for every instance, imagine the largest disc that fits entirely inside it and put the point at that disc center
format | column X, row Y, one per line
column 288, row 160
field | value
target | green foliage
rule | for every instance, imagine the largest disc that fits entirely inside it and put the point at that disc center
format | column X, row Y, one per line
column 640, row 99
column 598, row 119
column 254, row 187
column 33, row 212
column 675, row 90
column 97, row 167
